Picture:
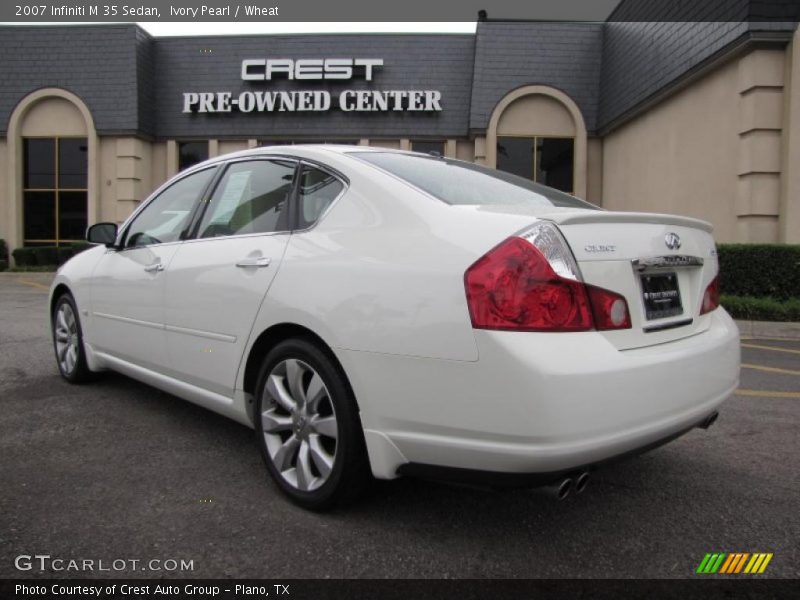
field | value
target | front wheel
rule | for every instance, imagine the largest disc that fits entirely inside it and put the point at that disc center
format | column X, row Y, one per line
column 308, row 427
column 68, row 341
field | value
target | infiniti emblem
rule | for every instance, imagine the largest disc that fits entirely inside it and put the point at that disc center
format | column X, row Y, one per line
column 672, row 240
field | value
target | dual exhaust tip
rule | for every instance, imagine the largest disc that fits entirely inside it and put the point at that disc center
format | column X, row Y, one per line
column 563, row 488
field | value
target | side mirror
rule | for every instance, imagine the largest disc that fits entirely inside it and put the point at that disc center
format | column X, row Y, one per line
column 102, row 233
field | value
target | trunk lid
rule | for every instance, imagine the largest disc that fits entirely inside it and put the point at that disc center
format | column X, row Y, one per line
column 661, row 264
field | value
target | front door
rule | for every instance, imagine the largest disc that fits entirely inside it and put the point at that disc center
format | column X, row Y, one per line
column 127, row 296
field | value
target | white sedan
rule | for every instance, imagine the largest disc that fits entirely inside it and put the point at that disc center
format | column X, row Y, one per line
column 376, row 312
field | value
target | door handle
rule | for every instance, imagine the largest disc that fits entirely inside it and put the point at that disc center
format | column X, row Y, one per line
column 260, row 261
column 154, row 268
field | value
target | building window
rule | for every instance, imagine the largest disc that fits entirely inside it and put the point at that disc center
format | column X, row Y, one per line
column 54, row 190
column 191, row 153
column 428, row 146
column 546, row 160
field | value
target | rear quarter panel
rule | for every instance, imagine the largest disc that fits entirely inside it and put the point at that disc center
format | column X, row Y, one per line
column 375, row 276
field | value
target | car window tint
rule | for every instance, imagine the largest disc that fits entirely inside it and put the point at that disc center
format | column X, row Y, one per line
column 252, row 197
column 318, row 190
column 164, row 218
column 458, row 182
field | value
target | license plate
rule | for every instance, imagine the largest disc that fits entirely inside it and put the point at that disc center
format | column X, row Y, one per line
column 661, row 295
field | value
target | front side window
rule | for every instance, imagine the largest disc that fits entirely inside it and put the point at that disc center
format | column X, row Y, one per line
column 316, row 193
column 252, row 197
column 545, row 160
column 54, row 190
column 167, row 216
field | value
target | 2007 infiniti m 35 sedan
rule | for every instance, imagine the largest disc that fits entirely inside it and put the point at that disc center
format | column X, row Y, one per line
column 381, row 313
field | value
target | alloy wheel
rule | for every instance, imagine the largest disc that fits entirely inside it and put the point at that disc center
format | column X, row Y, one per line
column 67, row 340
column 299, row 424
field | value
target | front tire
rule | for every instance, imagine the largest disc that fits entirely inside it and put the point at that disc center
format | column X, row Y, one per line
column 308, row 427
column 68, row 341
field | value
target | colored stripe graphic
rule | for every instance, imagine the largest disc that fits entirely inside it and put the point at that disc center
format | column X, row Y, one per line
column 731, row 563
column 755, row 562
column 727, row 564
column 765, row 563
column 734, row 563
column 741, row 562
column 718, row 564
column 703, row 563
column 711, row 563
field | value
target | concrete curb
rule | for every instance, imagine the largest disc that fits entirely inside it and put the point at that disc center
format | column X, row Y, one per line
column 32, row 275
column 769, row 329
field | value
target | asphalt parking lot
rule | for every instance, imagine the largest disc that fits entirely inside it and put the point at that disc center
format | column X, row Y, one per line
column 118, row 470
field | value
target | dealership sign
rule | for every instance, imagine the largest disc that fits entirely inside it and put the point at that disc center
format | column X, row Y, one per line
column 311, row 69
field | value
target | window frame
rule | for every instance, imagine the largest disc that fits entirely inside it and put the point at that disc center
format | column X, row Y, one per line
column 294, row 204
column 126, row 226
column 56, row 189
column 197, row 217
column 295, row 217
column 203, row 199
column 535, row 151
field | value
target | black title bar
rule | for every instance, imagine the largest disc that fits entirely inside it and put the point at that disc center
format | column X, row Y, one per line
column 405, row 589
column 104, row 11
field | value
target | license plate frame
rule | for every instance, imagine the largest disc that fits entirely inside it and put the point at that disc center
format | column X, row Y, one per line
column 661, row 295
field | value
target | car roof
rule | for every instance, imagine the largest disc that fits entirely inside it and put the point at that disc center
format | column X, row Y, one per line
column 299, row 150
column 313, row 152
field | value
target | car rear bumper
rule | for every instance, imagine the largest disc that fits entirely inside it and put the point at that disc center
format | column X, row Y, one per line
column 543, row 403
column 503, row 479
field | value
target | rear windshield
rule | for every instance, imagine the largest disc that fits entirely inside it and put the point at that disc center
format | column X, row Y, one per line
column 459, row 182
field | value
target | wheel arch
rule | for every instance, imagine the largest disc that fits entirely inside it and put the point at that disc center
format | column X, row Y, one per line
column 271, row 337
column 58, row 291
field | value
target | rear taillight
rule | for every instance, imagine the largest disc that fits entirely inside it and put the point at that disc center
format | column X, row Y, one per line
column 531, row 282
column 710, row 297
column 610, row 310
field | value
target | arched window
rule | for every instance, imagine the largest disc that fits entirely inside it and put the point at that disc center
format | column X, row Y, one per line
column 53, row 168
column 538, row 132
column 548, row 160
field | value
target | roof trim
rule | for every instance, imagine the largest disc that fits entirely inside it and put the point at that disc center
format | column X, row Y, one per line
column 747, row 41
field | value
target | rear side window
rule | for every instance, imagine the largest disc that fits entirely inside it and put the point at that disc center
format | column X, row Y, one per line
column 316, row 193
column 252, row 197
column 458, row 182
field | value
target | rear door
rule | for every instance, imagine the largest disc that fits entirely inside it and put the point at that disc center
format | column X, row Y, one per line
column 217, row 281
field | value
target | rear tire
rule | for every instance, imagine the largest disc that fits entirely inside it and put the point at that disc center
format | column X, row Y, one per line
column 68, row 341
column 308, row 427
